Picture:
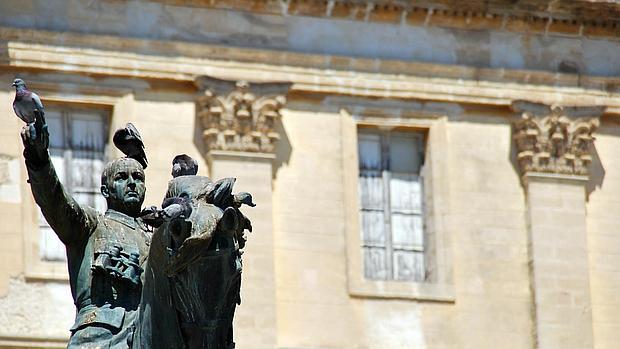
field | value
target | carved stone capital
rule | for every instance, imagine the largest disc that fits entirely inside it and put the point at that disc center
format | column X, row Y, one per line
column 554, row 139
column 239, row 116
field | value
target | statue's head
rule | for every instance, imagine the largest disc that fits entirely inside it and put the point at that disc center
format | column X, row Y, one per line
column 122, row 185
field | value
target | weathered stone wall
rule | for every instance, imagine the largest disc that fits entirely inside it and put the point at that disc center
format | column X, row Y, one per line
column 401, row 41
column 11, row 199
column 485, row 220
column 297, row 276
column 603, row 238
column 490, row 247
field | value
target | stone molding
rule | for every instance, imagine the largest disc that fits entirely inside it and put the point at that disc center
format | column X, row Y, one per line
column 32, row 50
column 239, row 116
column 561, row 17
column 555, row 139
column 36, row 342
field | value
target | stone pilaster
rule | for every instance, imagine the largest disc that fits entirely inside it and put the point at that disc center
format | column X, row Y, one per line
column 238, row 120
column 554, row 151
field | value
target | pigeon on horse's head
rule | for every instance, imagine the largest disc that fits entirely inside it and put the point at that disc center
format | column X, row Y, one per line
column 184, row 165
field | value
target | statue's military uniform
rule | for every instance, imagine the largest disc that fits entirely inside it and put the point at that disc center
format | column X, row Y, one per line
column 105, row 253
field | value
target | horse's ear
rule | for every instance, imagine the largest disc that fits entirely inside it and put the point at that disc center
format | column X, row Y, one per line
column 229, row 223
column 105, row 191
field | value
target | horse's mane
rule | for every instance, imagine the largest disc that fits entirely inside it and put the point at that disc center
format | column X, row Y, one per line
column 190, row 291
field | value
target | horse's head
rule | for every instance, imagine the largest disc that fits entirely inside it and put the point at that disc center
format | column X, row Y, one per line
column 198, row 251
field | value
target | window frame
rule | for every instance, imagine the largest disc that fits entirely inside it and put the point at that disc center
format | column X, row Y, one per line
column 438, row 285
column 68, row 116
column 36, row 267
column 387, row 174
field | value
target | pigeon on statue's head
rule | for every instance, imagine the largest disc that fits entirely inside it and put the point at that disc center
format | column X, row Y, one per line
column 184, row 165
column 26, row 104
column 128, row 141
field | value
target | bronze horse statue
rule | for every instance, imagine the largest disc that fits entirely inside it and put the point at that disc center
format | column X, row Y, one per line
column 175, row 285
column 193, row 274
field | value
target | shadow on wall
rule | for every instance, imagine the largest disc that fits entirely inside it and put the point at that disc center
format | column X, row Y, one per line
column 165, row 91
column 283, row 148
column 597, row 174
column 512, row 155
column 609, row 127
column 4, row 53
column 198, row 139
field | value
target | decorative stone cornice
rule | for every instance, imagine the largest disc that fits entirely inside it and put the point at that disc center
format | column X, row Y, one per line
column 564, row 17
column 554, row 139
column 239, row 116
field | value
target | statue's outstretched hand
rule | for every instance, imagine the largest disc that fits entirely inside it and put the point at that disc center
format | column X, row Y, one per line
column 35, row 137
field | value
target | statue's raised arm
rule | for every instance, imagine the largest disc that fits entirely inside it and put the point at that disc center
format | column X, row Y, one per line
column 71, row 222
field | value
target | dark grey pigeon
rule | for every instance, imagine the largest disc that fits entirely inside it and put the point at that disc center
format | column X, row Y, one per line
column 26, row 103
column 220, row 193
column 175, row 207
column 184, row 165
column 243, row 198
column 172, row 208
column 128, row 141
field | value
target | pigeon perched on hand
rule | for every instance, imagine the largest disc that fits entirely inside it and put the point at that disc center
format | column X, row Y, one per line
column 26, row 104
column 128, row 141
column 184, row 165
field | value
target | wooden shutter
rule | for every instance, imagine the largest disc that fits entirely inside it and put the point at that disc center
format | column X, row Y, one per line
column 372, row 203
column 406, row 218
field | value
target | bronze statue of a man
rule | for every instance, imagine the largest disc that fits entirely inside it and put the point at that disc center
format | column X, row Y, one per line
column 105, row 252
column 173, row 286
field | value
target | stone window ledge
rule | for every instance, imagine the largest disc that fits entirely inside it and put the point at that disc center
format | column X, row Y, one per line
column 419, row 291
column 25, row 341
column 48, row 271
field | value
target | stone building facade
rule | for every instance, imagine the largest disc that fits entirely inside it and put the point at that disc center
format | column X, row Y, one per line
column 428, row 174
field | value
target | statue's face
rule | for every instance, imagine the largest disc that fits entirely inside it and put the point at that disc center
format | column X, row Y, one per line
column 125, row 187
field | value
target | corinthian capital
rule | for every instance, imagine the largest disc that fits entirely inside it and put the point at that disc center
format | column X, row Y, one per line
column 239, row 116
column 555, row 139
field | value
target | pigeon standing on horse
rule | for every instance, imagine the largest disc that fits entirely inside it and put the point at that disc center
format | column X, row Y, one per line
column 184, row 165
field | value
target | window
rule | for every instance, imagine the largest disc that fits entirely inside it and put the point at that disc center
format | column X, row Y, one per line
column 391, row 205
column 77, row 146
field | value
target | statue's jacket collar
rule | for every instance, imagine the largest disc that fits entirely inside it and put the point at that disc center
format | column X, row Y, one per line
column 122, row 218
